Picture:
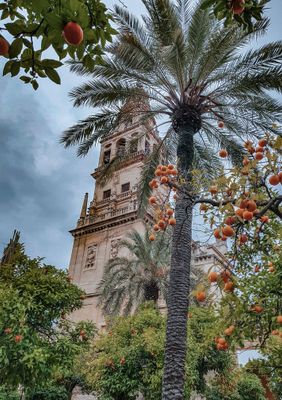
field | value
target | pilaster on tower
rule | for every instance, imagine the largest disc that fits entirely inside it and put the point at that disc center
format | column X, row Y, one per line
column 113, row 212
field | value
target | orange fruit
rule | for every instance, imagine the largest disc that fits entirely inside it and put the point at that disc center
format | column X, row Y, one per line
column 8, row 330
column 275, row 332
column 158, row 172
column 161, row 224
column 201, row 296
column 213, row 189
column 280, row 177
column 248, row 143
column 73, row 33
column 151, row 238
column 4, row 47
column 169, row 212
column 230, row 330
column 220, row 124
column 271, row 269
column 230, row 220
column 156, row 227
column 262, row 142
column 172, row 221
column 279, row 319
column 213, row 277
column 170, row 167
column 228, row 231
column 18, row 338
column 243, row 238
column 223, row 153
column 259, row 149
column 274, row 180
column 164, row 179
column 152, row 200
column 225, row 275
column 246, row 161
column 239, row 212
column 217, row 233
column 248, row 215
column 251, row 205
column 264, row 219
column 229, row 287
column 256, row 268
column 257, row 309
column 259, row 156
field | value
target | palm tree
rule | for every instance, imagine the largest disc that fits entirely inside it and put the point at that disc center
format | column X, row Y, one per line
column 194, row 73
column 141, row 275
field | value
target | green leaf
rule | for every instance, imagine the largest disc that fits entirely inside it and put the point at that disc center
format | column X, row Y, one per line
column 35, row 84
column 16, row 48
column 15, row 28
column 15, row 68
column 207, row 3
column 7, row 67
column 88, row 62
column 25, row 79
column 45, row 43
column 53, row 75
column 5, row 14
column 48, row 63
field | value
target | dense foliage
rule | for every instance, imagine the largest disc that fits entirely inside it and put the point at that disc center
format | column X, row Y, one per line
column 128, row 358
column 38, row 342
column 32, row 27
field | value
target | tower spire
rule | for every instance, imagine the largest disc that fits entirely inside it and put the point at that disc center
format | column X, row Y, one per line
column 84, row 206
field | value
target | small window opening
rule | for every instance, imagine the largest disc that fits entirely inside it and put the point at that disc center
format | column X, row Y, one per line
column 125, row 187
column 107, row 156
column 106, row 194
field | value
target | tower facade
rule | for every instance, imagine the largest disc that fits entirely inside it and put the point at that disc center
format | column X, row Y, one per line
column 112, row 212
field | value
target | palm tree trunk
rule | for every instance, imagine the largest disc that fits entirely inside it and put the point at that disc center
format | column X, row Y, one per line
column 176, row 333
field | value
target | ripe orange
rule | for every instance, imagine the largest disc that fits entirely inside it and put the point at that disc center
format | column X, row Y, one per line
column 248, row 215
column 246, row 161
column 230, row 220
column 164, row 168
column 173, row 172
column 169, row 212
column 217, row 233
column 201, row 296
column 259, row 149
column 221, row 124
column 274, row 180
column 213, row 277
column 4, row 47
column 238, row 6
column 164, row 179
column 239, row 212
column 256, row 268
column 8, row 330
column 251, row 205
column 122, row 361
column 223, row 238
column 275, row 332
column 243, row 238
column 158, row 172
column 257, row 309
column 259, row 156
column 225, row 275
column 73, row 33
column 156, row 227
column 170, row 167
column 82, row 333
column 18, row 338
column 213, row 189
column 243, row 204
column 172, row 221
column 152, row 200
column 248, row 143
column 161, row 224
column 251, row 150
column 229, row 287
column 228, row 231
column 280, row 177
column 264, row 219
column 271, row 269
column 262, row 142
column 151, row 238
column 279, row 319
column 223, row 153
column 230, row 330
column 221, row 341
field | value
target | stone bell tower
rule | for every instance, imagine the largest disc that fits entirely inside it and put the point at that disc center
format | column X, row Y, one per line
column 113, row 211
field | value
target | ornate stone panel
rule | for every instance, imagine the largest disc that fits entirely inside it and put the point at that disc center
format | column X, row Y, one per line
column 114, row 247
column 91, row 256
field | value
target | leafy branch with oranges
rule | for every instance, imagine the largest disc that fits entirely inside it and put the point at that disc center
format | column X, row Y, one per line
column 75, row 28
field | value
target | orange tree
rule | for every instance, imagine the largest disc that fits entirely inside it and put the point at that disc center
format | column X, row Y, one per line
column 243, row 12
column 242, row 205
column 75, row 28
column 128, row 357
column 38, row 342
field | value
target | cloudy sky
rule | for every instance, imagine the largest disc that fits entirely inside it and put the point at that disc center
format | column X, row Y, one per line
column 42, row 184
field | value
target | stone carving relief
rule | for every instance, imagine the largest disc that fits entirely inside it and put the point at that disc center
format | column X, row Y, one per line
column 114, row 247
column 91, row 257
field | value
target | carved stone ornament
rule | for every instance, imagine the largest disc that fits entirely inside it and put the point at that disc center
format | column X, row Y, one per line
column 91, row 257
column 114, row 247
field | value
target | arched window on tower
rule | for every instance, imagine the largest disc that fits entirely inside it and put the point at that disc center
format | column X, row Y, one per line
column 107, row 154
column 121, row 143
